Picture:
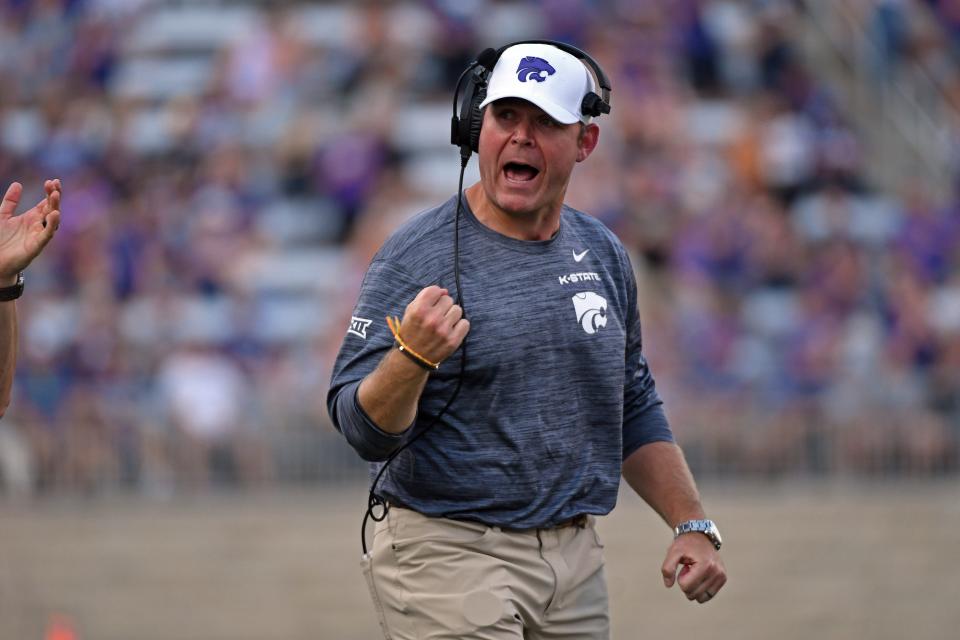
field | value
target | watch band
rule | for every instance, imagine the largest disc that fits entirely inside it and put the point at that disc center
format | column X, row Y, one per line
column 706, row 527
column 14, row 291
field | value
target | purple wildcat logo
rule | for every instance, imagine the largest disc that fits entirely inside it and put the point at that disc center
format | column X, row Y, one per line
column 533, row 68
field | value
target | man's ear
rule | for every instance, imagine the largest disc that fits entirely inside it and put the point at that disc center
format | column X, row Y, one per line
column 587, row 141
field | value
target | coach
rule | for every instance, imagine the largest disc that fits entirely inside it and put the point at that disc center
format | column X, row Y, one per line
column 492, row 499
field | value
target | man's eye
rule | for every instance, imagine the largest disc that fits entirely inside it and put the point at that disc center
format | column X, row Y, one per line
column 547, row 122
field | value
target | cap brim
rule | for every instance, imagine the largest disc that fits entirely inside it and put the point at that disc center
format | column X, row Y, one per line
column 553, row 110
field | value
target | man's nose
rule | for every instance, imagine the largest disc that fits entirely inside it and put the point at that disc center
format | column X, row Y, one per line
column 523, row 132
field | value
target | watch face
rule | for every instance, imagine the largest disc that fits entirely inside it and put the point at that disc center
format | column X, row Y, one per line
column 714, row 534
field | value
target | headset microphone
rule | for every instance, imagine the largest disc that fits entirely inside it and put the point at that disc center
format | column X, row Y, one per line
column 488, row 58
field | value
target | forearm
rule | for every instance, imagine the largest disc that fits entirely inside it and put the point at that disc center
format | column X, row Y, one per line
column 374, row 411
column 659, row 474
column 390, row 394
column 8, row 351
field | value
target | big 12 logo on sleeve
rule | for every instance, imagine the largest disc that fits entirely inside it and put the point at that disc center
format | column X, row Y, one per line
column 358, row 326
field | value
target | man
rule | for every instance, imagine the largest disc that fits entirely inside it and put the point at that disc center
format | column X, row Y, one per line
column 490, row 528
column 22, row 238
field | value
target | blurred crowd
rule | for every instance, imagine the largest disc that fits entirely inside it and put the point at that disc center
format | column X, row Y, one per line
column 230, row 167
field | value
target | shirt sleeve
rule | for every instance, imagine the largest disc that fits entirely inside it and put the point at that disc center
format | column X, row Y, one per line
column 644, row 420
column 386, row 290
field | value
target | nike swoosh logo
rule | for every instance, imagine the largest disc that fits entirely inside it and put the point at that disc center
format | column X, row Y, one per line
column 577, row 257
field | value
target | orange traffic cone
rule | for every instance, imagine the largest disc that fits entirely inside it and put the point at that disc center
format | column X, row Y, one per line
column 60, row 628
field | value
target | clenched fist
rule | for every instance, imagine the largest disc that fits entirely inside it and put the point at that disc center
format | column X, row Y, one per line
column 433, row 325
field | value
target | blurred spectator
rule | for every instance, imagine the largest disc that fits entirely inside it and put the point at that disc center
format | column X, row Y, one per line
column 211, row 417
column 233, row 165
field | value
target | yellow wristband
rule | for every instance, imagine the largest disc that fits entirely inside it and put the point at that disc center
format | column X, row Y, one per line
column 394, row 324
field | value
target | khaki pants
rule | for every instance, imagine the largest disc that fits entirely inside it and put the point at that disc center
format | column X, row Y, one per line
column 434, row 578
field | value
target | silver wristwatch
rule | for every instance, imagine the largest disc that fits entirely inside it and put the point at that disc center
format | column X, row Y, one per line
column 706, row 527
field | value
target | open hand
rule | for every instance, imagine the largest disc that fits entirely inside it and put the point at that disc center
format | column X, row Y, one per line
column 23, row 237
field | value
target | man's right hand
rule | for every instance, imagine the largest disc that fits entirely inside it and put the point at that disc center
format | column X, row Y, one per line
column 433, row 325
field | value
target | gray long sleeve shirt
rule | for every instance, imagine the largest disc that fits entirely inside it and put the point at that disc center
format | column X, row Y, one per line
column 556, row 392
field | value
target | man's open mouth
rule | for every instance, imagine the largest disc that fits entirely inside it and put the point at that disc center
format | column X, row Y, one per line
column 519, row 172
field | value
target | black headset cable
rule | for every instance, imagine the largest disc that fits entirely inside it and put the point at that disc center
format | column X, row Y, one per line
column 377, row 506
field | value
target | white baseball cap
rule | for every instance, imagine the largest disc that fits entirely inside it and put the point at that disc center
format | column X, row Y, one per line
column 550, row 78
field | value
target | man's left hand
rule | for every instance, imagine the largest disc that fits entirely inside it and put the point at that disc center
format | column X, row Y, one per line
column 702, row 573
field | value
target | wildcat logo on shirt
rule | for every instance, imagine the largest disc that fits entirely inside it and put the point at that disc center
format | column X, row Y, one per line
column 591, row 311
column 358, row 326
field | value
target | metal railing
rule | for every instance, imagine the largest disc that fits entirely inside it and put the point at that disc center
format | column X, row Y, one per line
column 902, row 106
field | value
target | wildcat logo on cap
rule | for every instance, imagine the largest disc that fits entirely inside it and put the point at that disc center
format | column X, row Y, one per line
column 533, row 68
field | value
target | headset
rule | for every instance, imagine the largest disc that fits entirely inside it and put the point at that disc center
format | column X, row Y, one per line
column 465, row 128
column 465, row 133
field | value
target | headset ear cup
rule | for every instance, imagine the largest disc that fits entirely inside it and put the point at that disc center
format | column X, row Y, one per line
column 467, row 131
column 476, row 119
column 593, row 105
